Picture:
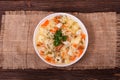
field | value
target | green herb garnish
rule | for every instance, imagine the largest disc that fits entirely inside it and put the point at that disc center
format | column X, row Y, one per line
column 64, row 38
column 58, row 38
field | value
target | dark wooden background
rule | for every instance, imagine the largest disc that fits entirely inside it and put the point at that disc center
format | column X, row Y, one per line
column 84, row 6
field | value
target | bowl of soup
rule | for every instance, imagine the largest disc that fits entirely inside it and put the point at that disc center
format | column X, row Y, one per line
column 60, row 39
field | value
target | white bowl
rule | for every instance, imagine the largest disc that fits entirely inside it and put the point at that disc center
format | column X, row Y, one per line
column 82, row 27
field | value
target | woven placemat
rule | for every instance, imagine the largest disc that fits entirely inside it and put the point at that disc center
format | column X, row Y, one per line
column 16, row 47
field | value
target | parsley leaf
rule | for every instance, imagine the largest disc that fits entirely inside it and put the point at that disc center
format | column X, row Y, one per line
column 58, row 38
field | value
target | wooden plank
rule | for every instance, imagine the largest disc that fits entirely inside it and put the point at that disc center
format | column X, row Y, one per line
column 57, row 5
column 118, row 41
column 1, row 39
column 12, row 5
column 56, row 74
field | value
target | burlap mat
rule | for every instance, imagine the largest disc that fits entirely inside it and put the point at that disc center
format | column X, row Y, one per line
column 16, row 47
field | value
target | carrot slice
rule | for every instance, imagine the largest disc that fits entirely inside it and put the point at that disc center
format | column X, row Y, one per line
column 41, row 53
column 81, row 47
column 80, row 52
column 45, row 23
column 63, row 26
column 54, row 30
column 51, row 30
column 72, row 58
column 75, row 45
column 49, row 59
column 56, row 19
column 83, row 36
column 39, row 44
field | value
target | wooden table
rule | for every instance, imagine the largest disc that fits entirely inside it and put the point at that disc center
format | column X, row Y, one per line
column 61, row 6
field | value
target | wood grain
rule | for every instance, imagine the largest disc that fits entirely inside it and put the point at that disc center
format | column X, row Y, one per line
column 1, row 39
column 55, row 74
column 62, row 5
column 118, row 40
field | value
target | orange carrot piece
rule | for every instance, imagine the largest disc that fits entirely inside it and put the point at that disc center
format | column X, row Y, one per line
column 83, row 36
column 51, row 30
column 41, row 53
column 56, row 19
column 72, row 58
column 39, row 44
column 81, row 47
column 54, row 30
column 75, row 45
column 59, row 47
column 49, row 59
column 45, row 23
column 63, row 26
column 80, row 52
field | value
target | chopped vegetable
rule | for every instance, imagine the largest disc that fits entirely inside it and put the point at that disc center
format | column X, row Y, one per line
column 81, row 47
column 54, row 30
column 58, row 38
column 83, row 35
column 75, row 45
column 63, row 26
column 59, row 47
column 80, row 51
column 39, row 44
column 64, row 38
column 56, row 19
column 41, row 53
column 56, row 43
column 45, row 23
column 49, row 59
column 72, row 58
